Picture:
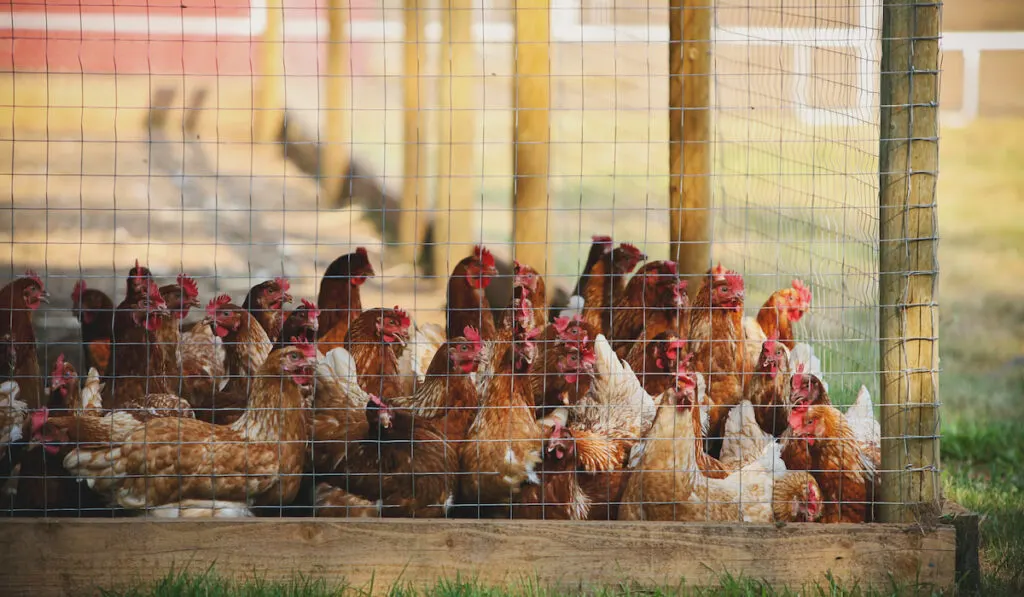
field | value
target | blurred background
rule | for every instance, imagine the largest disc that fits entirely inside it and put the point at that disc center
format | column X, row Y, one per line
column 239, row 140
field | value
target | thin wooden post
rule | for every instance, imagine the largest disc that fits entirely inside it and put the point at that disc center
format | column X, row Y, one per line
column 455, row 222
column 689, row 119
column 268, row 105
column 532, row 95
column 334, row 155
column 908, row 163
column 413, row 222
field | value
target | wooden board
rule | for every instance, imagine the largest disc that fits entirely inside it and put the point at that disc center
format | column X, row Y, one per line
column 55, row 557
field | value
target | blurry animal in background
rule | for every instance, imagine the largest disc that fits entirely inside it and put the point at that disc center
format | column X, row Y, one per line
column 94, row 311
column 339, row 300
column 18, row 302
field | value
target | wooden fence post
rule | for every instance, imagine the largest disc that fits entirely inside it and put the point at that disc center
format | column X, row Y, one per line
column 414, row 217
column 268, row 105
column 532, row 96
column 689, row 121
column 334, row 155
column 908, row 164
column 455, row 222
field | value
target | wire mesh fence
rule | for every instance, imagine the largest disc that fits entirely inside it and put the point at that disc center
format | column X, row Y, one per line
column 287, row 272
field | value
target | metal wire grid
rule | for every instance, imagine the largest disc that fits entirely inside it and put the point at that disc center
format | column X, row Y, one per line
column 772, row 182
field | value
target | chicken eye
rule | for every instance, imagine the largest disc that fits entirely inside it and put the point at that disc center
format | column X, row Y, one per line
column 225, row 313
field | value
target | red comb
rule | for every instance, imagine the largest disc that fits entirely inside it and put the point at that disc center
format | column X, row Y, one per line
column 403, row 317
column 798, row 376
column 312, row 311
column 32, row 275
column 472, row 335
column 562, row 323
column 601, row 239
column 515, row 265
column 307, row 348
column 78, row 291
column 136, row 263
column 39, row 418
column 59, row 365
column 630, row 247
column 484, row 255
column 769, row 343
column 588, row 355
column 216, row 303
column 361, row 251
column 283, row 284
column 533, row 333
column 803, row 297
column 678, row 343
column 671, row 267
column 188, row 286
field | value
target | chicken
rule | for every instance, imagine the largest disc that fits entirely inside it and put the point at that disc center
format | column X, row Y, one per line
column 87, row 401
column 95, row 313
column 777, row 316
column 654, row 301
column 136, row 286
column 203, row 362
column 504, row 443
column 744, row 441
column 745, row 495
column 371, row 340
column 564, row 360
column 246, row 346
column 339, row 300
column 662, row 464
column 18, row 302
column 716, row 338
column 656, row 361
column 180, row 298
column 845, row 472
column 265, row 301
column 768, row 387
column 14, row 414
column 796, row 497
column 861, row 419
column 605, row 283
column 192, row 509
column 808, row 390
column 302, row 323
column 138, row 365
column 467, row 305
column 528, row 284
column 256, row 460
column 334, row 502
column 600, row 246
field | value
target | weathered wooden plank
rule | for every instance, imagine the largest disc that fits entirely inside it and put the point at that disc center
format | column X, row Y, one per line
column 908, row 266
column 690, row 136
column 58, row 557
column 968, row 547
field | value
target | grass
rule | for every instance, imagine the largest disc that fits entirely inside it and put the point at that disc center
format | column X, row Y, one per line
column 209, row 584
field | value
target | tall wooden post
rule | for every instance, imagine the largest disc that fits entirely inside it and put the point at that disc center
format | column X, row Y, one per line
column 455, row 221
column 415, row 192
column 532, row 95
column 689, row 95
column 268, row 104
column 908, row 163
column 334, row 153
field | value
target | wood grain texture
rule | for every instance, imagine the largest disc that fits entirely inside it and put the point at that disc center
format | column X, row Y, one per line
column 456, row 219
column 55, row 557
column 532, row 96
column 908, row 267
column 412, row 227
column 337, row 135
column 690, row 136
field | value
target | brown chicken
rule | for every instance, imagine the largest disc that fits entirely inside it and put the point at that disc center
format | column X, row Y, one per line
column 768, row 387
column 18, row 302
column 371, row 340
column 95, row 312
column 339, row 300
column 716, row 338
column 136, row 286
column 806, row 390
column 600, row 246
column 467, row 305
column 782, row 309
column 844, row 471
column 529, row 285
column 561, row 372
column 663, row 464
column 796, row 498
column 265, row 301
column 87, row 400
column 503, row 449
column 653, row 301
column 257, row 460
column 246, row 345
column 180, row 298
column 302, row 323
column 605, row 284
column 656, row 361
column 139, row 365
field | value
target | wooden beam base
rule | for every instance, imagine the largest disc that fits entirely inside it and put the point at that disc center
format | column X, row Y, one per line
column 62, row 557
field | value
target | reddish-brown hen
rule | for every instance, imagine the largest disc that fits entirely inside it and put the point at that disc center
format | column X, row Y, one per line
column 467, row 305
column 371, row 340
column 339, row 299
column 95, row 313
column 18, row 302
column 265, row 301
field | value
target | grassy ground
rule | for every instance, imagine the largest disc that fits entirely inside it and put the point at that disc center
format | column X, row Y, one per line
column 981, row 199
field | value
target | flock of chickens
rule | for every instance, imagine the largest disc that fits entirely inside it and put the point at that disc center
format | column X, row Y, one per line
column 631, row 403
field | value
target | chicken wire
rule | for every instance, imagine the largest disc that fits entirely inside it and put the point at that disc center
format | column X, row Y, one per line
column 145, row 155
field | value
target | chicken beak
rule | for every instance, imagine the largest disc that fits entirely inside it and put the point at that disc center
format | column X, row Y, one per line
column 44, row 297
